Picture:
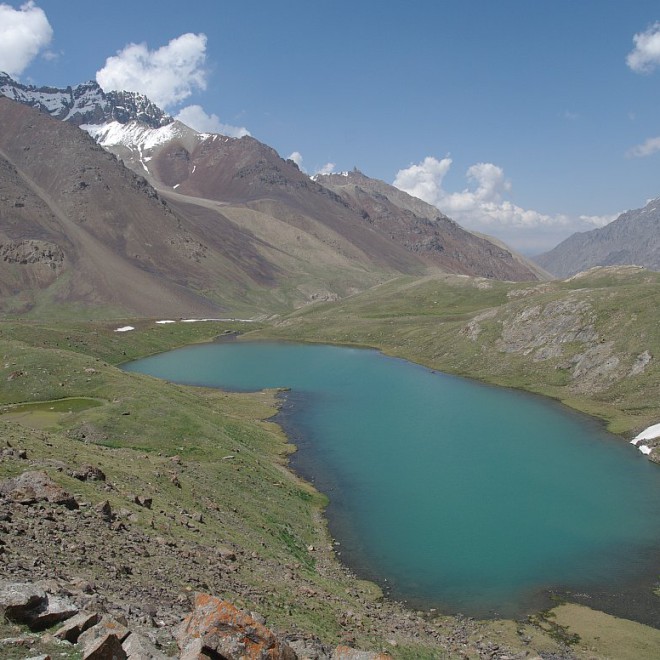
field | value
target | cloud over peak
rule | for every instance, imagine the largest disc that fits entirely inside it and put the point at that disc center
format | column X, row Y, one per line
column 483, row 205
column 167, row 75
column 24, row 33
column 196, row 117
column 645, row 56
column 480, row 206
column 297, row 158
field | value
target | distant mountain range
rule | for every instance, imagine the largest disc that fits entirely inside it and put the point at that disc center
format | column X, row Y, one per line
column 198, row 223
column 632, row 239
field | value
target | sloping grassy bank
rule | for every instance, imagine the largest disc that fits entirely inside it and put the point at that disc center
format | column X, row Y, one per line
column 216, row 469
column 592, row 342
column 227, row 517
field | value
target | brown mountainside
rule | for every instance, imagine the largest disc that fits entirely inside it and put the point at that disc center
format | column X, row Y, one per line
column 107, row 239
column 249, row 173
column 426, row 231
column 120, row 245
column 231, row 228
column 374, row 216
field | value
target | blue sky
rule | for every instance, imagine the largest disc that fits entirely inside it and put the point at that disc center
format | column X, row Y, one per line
column 524, row 119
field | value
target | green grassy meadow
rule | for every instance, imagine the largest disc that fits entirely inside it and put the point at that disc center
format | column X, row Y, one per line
column 64, row 399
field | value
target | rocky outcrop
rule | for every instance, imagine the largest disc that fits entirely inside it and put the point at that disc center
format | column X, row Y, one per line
column 31, row 605
column 543, row 330
column 88, row 473
column 31, row 487
column 214, row 629
column 16, row 599
column 32, row 252
column 77, row 625
column 217, row 629
column 86, row 103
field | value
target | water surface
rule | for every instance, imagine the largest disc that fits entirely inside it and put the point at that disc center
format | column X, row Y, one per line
column 450, row 493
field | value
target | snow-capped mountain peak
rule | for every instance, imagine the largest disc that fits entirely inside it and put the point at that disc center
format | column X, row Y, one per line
column 86, row 103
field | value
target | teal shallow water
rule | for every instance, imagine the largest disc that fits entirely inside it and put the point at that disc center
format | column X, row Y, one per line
column 452, row 494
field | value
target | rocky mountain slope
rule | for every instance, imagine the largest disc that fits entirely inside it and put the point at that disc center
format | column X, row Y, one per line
column 257, row 231
column 427, row 232
column 97, row 234
column 633, row 238
column 112, row 242
column 247, row 172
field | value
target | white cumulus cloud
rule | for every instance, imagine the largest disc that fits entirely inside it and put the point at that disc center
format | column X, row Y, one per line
column 196, row 117
column 483, row 205
column 24, row 33
column 648, row 147
column 425, row 179
column 167, row 75
column 645, row 56
column 328, row 168
column 297, row 158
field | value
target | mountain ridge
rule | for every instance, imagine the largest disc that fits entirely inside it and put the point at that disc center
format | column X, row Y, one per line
column 230, row 225
column 632, row 239
column 85, row 103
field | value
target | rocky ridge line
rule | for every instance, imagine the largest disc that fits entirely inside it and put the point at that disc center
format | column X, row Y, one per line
column 85, row 103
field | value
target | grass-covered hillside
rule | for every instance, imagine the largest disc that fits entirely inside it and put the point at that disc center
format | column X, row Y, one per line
column 592, row 341
column 227, row 516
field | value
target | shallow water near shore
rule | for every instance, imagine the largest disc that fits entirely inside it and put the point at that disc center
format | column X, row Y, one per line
column 449, row 493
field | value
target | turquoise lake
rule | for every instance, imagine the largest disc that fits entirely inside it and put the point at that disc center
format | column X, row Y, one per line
column 449, row 493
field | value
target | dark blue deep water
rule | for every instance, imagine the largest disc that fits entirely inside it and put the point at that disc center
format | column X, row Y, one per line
column 450, row 493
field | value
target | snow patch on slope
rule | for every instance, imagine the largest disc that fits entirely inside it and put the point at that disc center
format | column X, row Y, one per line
column 133, row 135
column 651, row 433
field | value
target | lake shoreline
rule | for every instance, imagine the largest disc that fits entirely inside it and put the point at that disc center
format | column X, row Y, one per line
column 544, row 596
column 622, row 602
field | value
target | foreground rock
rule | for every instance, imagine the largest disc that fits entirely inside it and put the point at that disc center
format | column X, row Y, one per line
column 77, row 625
column 29, row 604
column 17, row 599
column 347, row 653
column 216, row 628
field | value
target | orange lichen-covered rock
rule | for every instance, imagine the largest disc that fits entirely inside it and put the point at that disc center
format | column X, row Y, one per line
column 215, row 627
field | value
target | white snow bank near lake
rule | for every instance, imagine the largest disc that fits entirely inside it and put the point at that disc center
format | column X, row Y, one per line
column 125, row 328
column 650, row 433
column 202, row 320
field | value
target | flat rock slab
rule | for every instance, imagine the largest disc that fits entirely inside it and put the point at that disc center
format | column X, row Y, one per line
column 50, row 612
column 18, row 598
column 36, row 486
column 106, row 626
column 348, row 653
column 77, row 625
